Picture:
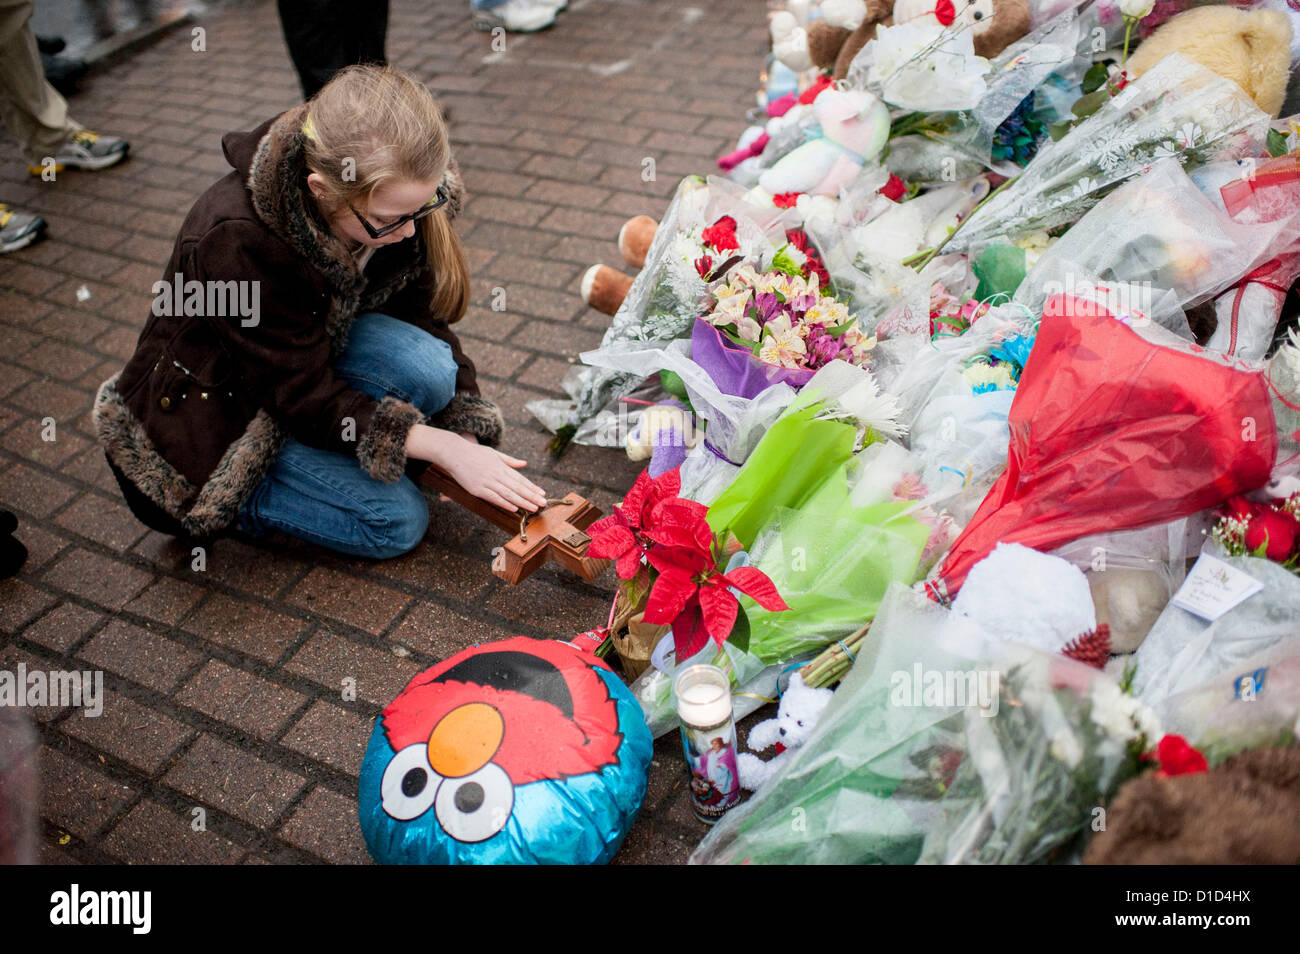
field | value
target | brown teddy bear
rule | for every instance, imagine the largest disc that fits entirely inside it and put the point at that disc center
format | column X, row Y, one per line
column 1242, row 812
column 994, row 26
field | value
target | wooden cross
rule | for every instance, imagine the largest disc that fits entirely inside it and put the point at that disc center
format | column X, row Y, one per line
column 554, row 533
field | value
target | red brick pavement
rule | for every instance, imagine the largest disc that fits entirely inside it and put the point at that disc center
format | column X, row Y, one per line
column 225, row 684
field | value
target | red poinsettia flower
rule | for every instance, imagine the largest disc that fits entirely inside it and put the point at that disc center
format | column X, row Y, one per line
column 621, row 536
column 786, row 200
column 721, row 235
column 1176, row 757
column 704, row 265
column 695, row 597
column 1274, row 530
column 894, row 189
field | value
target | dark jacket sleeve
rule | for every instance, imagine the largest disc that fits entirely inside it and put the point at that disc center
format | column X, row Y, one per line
column 285, row 357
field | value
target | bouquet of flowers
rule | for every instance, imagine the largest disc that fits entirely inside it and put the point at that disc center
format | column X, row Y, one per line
column 1063, row 738
column 1267, row 530
column 708, row 228
column 1178, row 109
column 786, row 322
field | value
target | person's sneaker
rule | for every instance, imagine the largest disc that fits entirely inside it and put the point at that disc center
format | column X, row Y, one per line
column 87, row 150
column 516, row 16
column 18, row 229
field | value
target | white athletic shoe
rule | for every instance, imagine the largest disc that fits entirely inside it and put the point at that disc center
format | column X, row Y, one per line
column 516, row 16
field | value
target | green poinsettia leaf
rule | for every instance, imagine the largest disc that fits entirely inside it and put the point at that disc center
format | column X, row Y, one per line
column 740, row 632
column 1095, row 77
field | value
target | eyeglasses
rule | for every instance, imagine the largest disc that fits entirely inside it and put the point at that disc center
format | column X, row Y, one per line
column 433, row 205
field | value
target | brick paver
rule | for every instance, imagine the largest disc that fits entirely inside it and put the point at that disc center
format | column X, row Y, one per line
column 223, row 669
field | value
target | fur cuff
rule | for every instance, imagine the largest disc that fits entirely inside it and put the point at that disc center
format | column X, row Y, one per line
column 472, row 413
column 382, row 451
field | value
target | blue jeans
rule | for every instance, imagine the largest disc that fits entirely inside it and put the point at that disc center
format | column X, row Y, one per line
column 325, row 497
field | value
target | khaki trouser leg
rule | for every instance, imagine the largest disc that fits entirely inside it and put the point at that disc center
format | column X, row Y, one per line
column 30, row 107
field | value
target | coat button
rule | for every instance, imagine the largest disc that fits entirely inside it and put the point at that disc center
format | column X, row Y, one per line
column 165, row 403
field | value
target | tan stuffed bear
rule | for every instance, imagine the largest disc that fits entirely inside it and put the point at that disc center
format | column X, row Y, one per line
column 1250, row 47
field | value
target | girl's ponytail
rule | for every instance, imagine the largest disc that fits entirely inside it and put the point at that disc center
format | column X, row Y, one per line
column 447, row 263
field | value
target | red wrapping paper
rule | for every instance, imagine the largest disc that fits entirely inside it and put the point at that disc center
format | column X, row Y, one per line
column 1112, row 432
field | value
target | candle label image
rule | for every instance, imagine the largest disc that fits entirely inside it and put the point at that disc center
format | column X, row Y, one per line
column 711, row 756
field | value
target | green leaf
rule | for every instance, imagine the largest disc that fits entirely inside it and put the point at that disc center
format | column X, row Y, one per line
column 1087, row 105
column 672, row 382
column 739, row 342
column 740, row 632
column 836, row 330
column 1095, row 77
column 1276, row 143
column 1059, row 130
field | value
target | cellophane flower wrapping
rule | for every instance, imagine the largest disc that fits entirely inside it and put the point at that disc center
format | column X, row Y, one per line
column 865, row 786
column 733, row 425
column 1183, row 651
column 1114, row 430
column 665, row 298
column 1178, row 109
column 1160, row 243
column 887, row 778
column 1062, row 741
column 963, row 132
column 1253, row 703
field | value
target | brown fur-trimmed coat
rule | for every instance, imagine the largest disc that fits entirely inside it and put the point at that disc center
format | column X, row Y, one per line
column 198, row 414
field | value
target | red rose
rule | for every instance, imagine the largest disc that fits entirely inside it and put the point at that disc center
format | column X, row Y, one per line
column 786, row 200
column 703, row 265
column 1275, row 531
column 1239, row 508
column 1176, row 757
column 894, row 189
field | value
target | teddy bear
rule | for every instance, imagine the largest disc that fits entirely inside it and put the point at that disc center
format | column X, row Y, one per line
column 1250, row 47
column 664, row 434
column 801, row 706
column 994, row 25
column 1242, row 812
column 854, row 128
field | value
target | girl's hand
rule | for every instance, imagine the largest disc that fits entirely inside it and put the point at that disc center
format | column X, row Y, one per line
column 483, row 471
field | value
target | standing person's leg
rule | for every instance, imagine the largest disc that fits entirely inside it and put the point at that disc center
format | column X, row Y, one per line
column 324, row 36
column 515, row 16
column 30, row 107
column 325, row 497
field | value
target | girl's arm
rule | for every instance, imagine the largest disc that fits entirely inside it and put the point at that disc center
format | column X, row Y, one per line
column 483, row 471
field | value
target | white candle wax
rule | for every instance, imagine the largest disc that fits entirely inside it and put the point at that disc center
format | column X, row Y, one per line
column 703, row 696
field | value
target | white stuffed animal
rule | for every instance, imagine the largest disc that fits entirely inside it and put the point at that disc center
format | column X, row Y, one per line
column 795, row 720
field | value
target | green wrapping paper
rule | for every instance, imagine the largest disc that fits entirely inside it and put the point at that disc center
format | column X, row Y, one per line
column 831, row 561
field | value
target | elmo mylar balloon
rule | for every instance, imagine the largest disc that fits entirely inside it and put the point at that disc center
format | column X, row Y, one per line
column 523, row 751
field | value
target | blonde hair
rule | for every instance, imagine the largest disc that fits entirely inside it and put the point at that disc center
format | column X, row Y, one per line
column 386, row 126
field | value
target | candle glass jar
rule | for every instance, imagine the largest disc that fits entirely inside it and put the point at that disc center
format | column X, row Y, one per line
column 703, row 696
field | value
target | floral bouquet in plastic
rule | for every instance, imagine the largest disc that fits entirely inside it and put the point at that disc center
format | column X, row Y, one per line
column 774, row 326
column 1032, row 776
column 1178, row 109
column 666, row 554
column 707, row 229
column 935, row 749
